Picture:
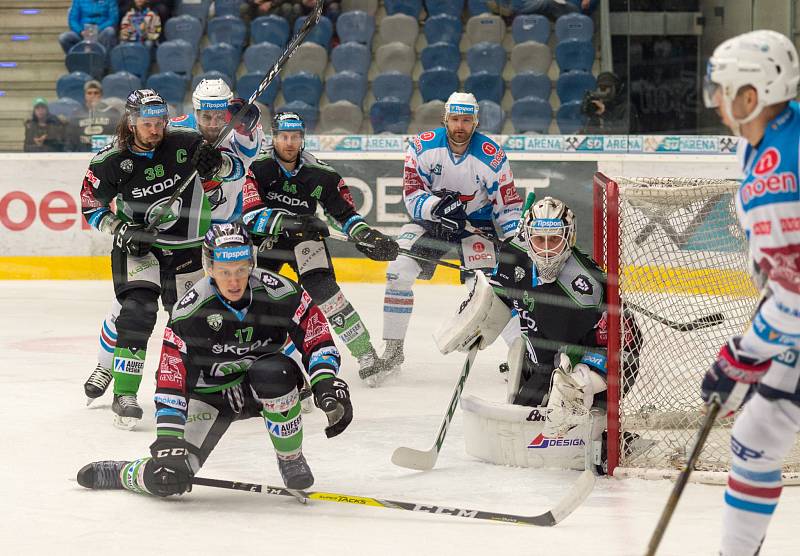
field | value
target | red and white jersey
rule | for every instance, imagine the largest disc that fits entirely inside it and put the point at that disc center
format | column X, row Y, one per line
column 482, row 177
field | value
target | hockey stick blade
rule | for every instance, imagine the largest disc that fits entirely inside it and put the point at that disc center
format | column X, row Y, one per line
column 697, row 324
column 422, row 460
column 578, row 493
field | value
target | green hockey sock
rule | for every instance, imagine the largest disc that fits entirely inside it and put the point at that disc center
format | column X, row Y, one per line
column 127, row 369
column 284, row 423
column 347, row 324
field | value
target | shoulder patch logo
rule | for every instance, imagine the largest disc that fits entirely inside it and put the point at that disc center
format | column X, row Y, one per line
column 427, row 135
column 188, row 299
column 768, row 162
column 126, row 165
column 214, row 321
column 488, row 149
column 181, row 118
column 519, row 273
column 582, row 285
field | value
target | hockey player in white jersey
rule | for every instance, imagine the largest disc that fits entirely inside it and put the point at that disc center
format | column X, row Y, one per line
column 459, row 191
column 752, row 80
column 214, row 105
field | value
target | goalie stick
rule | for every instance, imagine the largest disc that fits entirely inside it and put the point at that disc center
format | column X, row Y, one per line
column 425, row 460
column 697, row 324
column 308, row 24
column 578, row 493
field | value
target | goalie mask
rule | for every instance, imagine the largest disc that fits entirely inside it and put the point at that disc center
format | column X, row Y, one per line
column 227, row 243
column 210, row 100
column 764, row 60
column 460, row 105
column 548, row 229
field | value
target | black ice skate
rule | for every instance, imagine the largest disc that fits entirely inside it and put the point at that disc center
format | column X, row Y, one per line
column 97, row 383
column 369, row 366
column 127, row 410
column 102, row 475
column 389, row 363
column 295, row 472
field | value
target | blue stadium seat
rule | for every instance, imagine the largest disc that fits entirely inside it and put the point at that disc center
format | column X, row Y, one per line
column 220, row 57
column 441, row 54
column 261, row 57
column 530, row 27
column 531, row 84
column 477, row 7
column 212, row 75
column 572, row 85
column 491, row 118
column 66, row 106
column 355, row 26
column 227, row 7
column 120, row 84
column 269, row 28
column 346, row 85
column 309, row 113
column 443, row 28
column 70, row 85
column 569, row 117
column 186, row 27
column 175, row 55
column 88, row 57
column 437, row 84
column 169, row 85
column 351, row 56
column 485, row 86
column 393, row 84
column 390, row 116
column 229, row 29
column 302, row 86
column 449, row 7
column 486, row 56
column 574, row 26
column 322, row 33
column 575, row 55
column 249, row 82
column 408, row 7
column 193, row 8
column 132, row 57
column 531, row 114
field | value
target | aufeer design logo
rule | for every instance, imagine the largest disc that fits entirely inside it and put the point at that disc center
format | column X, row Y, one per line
column 214, row 321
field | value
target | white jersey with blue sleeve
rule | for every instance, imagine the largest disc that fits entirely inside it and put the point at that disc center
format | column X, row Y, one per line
column 768, row 206
column 482, row 177
column 226, row 196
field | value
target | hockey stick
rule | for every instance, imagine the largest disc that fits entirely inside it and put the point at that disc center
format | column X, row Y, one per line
column 308, row 24
column 683, row 478
column 696, row 324
column 425, row 460
column 574, row 498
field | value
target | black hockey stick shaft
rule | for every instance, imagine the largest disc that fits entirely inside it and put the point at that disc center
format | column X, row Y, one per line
column 546, row 519
column 308, row 24
column 697, row 324
column 683, row 479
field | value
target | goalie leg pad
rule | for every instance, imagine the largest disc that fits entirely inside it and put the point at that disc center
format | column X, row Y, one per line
column 516, row 358
column 483, row 314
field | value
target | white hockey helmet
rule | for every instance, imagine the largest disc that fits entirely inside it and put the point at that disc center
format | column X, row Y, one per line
column 461, row 104
column 548, row 228
column 211, row 94
column 764, row 60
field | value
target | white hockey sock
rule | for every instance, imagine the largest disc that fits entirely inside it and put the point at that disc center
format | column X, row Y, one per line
column 398, row 301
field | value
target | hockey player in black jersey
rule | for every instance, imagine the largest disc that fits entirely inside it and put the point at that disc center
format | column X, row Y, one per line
column 279, row 207
column 137, row 173
column 221, row 362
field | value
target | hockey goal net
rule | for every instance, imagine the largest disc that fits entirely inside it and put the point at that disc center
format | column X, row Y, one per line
column 677, row 261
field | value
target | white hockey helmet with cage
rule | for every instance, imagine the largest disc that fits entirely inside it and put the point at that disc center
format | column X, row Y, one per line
column 461, row 104
column 211, row 94
column 548, row 229
column 764, row 60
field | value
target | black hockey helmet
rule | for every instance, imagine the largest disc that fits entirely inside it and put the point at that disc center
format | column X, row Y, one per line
column 288, row 121
column 145, row 103
column 227, row 242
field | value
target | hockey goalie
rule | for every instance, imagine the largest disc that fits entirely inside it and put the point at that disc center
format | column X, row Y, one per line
column 554, row 414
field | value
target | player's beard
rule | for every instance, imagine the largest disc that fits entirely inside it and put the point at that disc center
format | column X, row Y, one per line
column 287, row 160
column 210, row 134
column 146, row 145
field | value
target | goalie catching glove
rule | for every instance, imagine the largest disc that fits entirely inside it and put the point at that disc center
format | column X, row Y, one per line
column 332, row 396
column 731, row 379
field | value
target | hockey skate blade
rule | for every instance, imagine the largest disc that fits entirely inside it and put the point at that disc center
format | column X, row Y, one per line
column 414, row 459
column 125, row 423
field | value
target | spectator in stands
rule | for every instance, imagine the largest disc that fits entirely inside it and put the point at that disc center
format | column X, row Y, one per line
column 163, row 8
column 91, row 20
column 607, row 108
column 287, row 9
column 98, row 118
column 331, row 9
column 140, row 24
column 44, row 132
column 551, row 9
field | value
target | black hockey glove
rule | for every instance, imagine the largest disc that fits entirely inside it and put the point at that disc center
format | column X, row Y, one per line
column 134, row 240
column 450, row 212
column 172, row 473
column 247, row 125
column 207, row 160
column 375, row 245
column 332, row 396
column 732, row 378
column 305, row 226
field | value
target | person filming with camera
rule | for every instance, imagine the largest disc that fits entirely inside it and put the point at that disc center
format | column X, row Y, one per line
column 607, row 109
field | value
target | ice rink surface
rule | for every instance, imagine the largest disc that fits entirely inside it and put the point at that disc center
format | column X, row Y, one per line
column 48, row 341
